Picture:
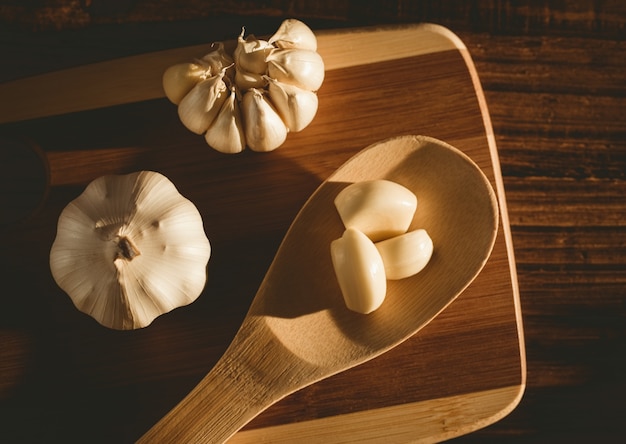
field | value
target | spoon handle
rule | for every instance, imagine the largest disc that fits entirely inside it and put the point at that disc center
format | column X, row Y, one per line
column 255, row 372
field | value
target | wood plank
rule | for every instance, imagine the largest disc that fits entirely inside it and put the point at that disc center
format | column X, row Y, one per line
column 575, row 384
column 603, row 157
column 247, row 202
column 570, row 261
column 556, row 202
column 575, row 18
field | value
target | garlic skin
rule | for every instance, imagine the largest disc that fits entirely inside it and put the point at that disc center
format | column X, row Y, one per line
column 200, row 106
column 179, row 79
column 247, row 80
column 226, row 132
column 217, row 60
column 129, row 249
column 293, row 33
column 300, row 67
column 282, row 74
column 379, row 208
column 405, row 255
column 359, row 270
column 263, row 128
column 250, row 54
column 296, row 106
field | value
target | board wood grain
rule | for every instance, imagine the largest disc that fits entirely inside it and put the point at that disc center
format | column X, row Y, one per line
column 63, row 370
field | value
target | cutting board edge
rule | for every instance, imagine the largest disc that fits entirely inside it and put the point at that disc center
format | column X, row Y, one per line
column 141, row 75
column 500, row 190
column 425, row 421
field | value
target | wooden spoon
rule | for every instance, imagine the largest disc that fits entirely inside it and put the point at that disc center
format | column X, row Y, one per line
column 298, row 329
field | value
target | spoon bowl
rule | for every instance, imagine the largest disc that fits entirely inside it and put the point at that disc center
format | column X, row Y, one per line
column 298, row 329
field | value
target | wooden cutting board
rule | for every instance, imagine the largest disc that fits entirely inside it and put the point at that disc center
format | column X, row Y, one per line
column 63, row 377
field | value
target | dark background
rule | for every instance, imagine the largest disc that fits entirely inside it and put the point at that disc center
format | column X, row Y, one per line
column 554, row 75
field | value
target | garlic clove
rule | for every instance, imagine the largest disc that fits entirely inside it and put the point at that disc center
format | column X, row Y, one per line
column 179, row 79
column 226, row 132
column 379, row 208
column 129, row 249
column 293, row 33
column 217, row 60
column 246, row 80
column 405, row 255
column 360, row 271
column 296, row 106
column 300, row 67
column 250, row 54
column 200, row 106
column 263, row 128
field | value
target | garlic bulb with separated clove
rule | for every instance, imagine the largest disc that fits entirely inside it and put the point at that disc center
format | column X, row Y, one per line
column 129, row 249
column 285, row 71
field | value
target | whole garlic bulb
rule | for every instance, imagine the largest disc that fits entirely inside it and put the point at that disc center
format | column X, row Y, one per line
column 129, row 249
column 275, row 85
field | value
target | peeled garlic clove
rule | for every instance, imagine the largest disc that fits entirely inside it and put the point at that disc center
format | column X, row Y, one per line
column 379, row 208
column 246, row 80
column 263, row 128
column 293, row 33
column 130, row 248
column 300, row 67
column 200, row 106
column 179, row 79
column 226, row 132
column 250, row 54
column 360, row 271
column 296, row 106
column 405, row 255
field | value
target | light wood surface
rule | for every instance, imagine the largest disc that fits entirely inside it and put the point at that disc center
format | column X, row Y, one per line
column 419, row 421
column 138, row 78
column 473, row 349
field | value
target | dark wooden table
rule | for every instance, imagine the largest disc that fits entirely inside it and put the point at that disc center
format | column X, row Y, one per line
column 555, row 82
